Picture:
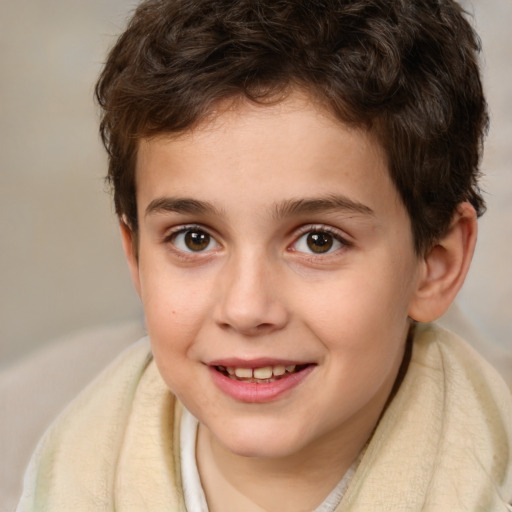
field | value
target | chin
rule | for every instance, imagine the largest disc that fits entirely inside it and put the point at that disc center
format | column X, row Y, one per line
column 266, row 443
column 258, row 451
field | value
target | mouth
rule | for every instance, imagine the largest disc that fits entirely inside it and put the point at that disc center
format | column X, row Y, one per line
column 261, row 375
column 259, row 381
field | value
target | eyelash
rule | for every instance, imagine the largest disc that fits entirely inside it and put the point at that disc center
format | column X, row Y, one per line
column 170, row 238
column 322, row 229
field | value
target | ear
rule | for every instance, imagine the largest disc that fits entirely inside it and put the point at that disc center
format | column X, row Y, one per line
column 129, row 241
column 445, row 267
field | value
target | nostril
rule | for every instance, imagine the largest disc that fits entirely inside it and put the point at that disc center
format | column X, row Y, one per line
column 264, row 326
column 249, row 310
column 249, row 330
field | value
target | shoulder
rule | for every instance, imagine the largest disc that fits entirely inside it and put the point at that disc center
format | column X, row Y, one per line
column 469, row 394
column 115, row 385
column 66, row 459
column 460, row 366
column 445, row 440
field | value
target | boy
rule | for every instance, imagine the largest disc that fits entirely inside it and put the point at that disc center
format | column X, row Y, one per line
column 296, row 184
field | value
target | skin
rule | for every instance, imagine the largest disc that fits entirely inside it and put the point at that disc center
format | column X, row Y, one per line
column 254, row 181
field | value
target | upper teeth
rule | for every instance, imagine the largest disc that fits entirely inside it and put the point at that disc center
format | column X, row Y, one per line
column 265, row 372
column 243, row 373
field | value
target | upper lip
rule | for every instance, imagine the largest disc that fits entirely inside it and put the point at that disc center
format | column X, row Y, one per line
column 261, row 362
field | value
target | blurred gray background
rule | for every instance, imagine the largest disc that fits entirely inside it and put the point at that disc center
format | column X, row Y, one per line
column 66, row 301
column 61, row 267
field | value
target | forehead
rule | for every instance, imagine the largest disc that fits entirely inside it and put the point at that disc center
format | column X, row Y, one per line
column 266, row 154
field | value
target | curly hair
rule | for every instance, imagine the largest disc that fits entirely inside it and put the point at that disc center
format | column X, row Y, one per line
column 405, row 69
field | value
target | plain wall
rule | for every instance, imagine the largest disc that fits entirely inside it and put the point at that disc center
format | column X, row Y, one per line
column 61, row 267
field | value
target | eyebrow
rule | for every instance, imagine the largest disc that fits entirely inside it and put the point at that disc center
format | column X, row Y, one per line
column 321, row 204
column 180, row 205
column 284, row 209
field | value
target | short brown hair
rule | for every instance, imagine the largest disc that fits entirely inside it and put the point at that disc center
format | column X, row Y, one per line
column 405, row 69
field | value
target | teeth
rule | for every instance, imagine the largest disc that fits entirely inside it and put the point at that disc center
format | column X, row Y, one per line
column 243, row 373
column 279, row 370
column 263, row 373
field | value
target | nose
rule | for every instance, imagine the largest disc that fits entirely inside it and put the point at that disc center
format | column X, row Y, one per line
column 251, row 300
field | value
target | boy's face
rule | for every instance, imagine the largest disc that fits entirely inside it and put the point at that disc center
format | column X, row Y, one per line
column 273, row 237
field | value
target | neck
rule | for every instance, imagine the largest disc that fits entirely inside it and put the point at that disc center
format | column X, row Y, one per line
column 298, row 482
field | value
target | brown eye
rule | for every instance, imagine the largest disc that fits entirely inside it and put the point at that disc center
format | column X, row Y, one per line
column 193, row 240
column 197, row 240
column 319, row 242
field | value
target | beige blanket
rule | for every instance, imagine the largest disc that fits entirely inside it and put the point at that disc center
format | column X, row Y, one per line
column 444, row 443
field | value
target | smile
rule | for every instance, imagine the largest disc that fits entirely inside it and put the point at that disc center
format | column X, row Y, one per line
column 262, row 375
column 264, row 382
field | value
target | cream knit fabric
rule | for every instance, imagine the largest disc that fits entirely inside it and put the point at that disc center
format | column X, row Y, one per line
column 444, row 443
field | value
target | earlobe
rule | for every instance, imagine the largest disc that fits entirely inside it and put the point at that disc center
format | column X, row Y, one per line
column 445, row 267
column 130, row 252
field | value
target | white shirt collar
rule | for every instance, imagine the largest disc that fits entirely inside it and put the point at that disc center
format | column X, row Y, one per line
column 195, row 500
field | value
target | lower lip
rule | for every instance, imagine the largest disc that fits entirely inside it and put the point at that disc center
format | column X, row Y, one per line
column 252, row 392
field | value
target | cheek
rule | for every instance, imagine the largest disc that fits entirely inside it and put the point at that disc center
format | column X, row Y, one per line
column 173, row 315
column 176, row 308
column 171, row 296
column 360, row 314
